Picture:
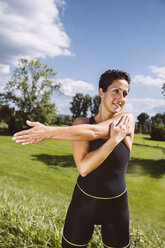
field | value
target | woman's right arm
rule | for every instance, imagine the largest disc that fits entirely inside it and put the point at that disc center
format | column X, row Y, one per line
column 85, row 132
column 88, row 161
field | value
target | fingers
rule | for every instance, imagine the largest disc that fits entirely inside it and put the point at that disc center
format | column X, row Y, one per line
column 25, row 132
column 29, row 142
column 123, row 120
column 112, row 125
column 25, row 140
column 124, row 123
column 20, row 139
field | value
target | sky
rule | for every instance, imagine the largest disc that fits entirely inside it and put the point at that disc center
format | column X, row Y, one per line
column 80, row 39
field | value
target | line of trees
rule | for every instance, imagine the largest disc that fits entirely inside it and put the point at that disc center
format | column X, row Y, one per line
column 81, row 104
column 155, row 125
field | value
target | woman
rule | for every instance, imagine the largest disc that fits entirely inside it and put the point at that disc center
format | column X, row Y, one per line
column 101, row 147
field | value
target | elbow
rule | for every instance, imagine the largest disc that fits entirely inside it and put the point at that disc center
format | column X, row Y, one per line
column 96, row 132
column 82, row 171
column 83, row 174
column 100, row 132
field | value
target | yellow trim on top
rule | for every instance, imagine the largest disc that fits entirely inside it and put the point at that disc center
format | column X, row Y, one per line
column 114, row 247
column 98, row 197
column 73, row 243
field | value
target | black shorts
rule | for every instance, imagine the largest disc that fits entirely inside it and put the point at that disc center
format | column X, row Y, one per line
column 84, row 212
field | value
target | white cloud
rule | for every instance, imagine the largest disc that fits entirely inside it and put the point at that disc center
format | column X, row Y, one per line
column 147, row 80
column 159, row 71
column 70, row 87
column 156, row 80
column 148, row 105
column 31, row 28
column 4, row 69
column 63, row 108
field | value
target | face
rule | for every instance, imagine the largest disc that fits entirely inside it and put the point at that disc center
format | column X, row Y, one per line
column 114, row 98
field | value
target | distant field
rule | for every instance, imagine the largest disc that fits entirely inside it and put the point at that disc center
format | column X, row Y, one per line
column 36, row 184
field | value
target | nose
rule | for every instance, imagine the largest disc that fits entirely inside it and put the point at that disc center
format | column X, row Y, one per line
column 120, row 96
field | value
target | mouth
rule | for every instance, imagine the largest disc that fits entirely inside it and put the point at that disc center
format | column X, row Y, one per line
column 118, row 105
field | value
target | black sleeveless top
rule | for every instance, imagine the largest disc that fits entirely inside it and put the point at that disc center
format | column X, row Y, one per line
column 108, row 179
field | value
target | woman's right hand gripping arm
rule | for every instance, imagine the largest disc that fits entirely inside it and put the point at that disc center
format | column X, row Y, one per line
column 87, row 161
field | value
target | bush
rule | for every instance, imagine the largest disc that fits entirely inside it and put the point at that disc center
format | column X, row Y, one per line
column 3, row 125
column 68, row 120
column 158, row 132
column 60, row 120
column 16, row 123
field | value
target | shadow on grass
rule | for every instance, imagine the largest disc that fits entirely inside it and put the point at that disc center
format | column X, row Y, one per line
column 55, row 160
column 149, row 138
column 153, row 168
column 151, row 146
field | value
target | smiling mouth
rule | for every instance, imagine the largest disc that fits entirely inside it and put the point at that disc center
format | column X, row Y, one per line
column 117, row 105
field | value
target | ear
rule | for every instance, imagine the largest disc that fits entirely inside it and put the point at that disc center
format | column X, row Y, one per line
column 101, row 93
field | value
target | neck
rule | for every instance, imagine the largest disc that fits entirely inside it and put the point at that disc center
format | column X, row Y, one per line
column 103, row 116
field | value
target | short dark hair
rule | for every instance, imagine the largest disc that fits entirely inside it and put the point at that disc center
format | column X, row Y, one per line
column 109, row 76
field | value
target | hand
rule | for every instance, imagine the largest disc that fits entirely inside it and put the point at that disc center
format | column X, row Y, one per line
column 37, row 133
column 118, row 130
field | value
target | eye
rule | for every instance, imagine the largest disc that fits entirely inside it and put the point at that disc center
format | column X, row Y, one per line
column 116, row 91
column 125, row 94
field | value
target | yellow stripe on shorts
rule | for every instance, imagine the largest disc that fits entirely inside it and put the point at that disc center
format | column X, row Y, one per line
column 98, row 197
column 114, row 247
column 73, row 243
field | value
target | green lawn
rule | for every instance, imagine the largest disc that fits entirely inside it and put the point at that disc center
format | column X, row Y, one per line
column 36, row 184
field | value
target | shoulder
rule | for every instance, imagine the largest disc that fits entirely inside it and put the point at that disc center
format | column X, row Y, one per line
column 81, row 120
column 130, row 116
column 119, row 115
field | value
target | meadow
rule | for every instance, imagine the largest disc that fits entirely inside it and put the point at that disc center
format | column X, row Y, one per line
column 36, row 185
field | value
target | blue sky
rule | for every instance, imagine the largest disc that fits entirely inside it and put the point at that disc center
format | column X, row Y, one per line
column 80, row 39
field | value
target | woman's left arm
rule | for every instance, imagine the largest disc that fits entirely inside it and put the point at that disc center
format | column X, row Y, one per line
column 87, row 132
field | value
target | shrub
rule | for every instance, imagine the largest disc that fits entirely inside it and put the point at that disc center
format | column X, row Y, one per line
column 158, row 132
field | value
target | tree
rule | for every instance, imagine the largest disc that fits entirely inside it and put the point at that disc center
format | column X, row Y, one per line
column 143, row 118
column 95, row 105
column 158, row 127
column 68, row 120
column 80, row 105
column 158, row 132
column 30, row 90
column 86, row 104
column 60, row 120
column 76, row 105
column 158, row 119
column 6, row 113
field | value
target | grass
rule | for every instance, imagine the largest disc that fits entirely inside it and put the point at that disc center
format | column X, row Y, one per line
column 37, row 181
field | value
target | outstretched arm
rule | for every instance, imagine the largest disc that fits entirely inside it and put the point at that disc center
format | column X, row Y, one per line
column 39, row 132
column 88, row 161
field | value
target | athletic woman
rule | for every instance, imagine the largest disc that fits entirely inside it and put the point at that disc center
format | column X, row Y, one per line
column 101, row 147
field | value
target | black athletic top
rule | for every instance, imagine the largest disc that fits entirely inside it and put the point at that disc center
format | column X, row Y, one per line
column 108, row 179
